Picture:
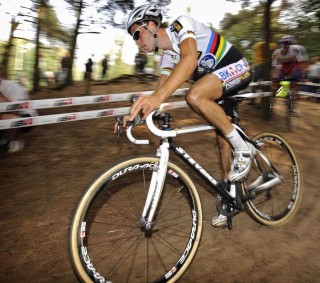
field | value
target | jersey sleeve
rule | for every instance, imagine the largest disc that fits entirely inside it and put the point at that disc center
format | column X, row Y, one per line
column 275, row 55
column 300, row 53
column 167, row 62
column 183, row 27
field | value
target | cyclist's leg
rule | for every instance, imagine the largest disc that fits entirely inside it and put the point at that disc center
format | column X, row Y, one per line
column 225, row 156
column 225, row 148
column 223, row 144
column 201, row 98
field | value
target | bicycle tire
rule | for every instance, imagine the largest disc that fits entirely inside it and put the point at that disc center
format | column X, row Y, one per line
column 277, row 205
column 106, row 243
column 292, row 119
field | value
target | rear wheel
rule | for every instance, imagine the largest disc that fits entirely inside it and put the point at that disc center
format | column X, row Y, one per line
column 107, row 242
column 292, row 115
column 278, row 204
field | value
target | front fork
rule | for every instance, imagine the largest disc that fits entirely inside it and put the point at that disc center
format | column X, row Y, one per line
column 155, row 188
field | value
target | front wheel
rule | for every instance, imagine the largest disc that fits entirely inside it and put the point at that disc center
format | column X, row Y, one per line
column 107, row 242
column 278, row 204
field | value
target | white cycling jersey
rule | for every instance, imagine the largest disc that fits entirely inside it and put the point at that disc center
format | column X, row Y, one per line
column 211, row 46
column 296, row 53
column 13, row 91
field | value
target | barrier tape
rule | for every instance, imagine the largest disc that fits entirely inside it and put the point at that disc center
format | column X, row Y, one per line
column 74, row 101
column 75, row 116
column 253, row 95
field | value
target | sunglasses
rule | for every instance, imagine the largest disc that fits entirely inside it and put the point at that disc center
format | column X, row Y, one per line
column 136, row 34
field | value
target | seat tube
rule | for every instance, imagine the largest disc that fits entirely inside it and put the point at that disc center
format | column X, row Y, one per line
column 156, row 184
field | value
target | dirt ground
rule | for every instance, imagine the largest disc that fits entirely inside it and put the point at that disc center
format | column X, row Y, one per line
column 41, row 185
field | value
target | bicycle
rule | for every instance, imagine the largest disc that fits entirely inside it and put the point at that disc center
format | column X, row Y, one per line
column 285, row 91
column 140, row 220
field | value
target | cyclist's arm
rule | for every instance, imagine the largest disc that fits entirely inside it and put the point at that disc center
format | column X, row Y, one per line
column 182, row 71
column 162, row 79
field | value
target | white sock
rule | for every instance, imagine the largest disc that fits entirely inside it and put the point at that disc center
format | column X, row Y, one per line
column 236, row 140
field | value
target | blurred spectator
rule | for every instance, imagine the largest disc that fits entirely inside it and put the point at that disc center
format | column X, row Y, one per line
column 65, row 65
column 140, row 61
column 10, row 91
column 314, row 70
column 104, row 65
column 314, row 75
column 88, row 71
column 259, row 62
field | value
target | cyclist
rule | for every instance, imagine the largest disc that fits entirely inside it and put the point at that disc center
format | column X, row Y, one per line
column 289, row 62
column 186, row 44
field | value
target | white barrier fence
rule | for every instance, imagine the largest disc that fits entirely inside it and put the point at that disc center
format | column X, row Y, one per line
column 74, row 116
column 85, row 115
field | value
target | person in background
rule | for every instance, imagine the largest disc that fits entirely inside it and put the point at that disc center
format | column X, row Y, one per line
column 141, row 60
column 289, row 61
column 314, row 70
column 314, row 76
column 10, row 91
column 88, row 71
column 104, row 65
column 259, row 63
column 65, row 65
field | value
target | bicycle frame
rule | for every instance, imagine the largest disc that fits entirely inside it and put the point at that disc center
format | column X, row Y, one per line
column 285, row 91
column 148, row 223
column 159, row 174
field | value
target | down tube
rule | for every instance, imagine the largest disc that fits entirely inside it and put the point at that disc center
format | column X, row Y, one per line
column 196, row 167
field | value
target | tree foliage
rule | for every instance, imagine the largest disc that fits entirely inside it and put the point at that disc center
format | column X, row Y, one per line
column 105, row 15
column 299, row 18
column 43, row 19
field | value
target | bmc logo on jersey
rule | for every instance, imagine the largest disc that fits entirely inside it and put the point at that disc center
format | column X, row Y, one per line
column 176, row 27
column 208, row 62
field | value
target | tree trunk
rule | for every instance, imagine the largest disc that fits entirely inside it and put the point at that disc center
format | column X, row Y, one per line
column 74, row 43
column 36, row 75
column 266, row 101
column 266, row 29
column 8, row 47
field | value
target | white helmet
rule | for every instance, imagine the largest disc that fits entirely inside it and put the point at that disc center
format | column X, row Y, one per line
column 286, row 40
column 144, row 13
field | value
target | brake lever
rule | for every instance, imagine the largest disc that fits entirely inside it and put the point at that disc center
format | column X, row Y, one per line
column 133, row 123
column 119, row 126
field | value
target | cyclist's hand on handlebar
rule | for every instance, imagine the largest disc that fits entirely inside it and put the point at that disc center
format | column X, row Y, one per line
column 121, row 123
column 145, row 104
